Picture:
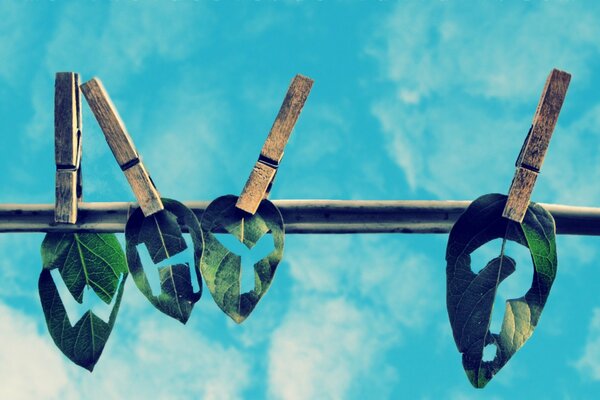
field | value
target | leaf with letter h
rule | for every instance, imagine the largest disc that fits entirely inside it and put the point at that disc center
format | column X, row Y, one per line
column 162, row 235
column 83, row 260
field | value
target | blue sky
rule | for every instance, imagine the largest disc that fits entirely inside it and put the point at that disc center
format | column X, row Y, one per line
column 412, row 100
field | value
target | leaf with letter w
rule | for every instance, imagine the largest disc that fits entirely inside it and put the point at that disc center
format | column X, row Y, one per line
column 89, row 260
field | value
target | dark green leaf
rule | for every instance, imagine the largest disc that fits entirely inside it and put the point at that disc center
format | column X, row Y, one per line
column 162, row 236
column 161, row 233
column 470, row 296
column 86, row 259
column 222, row 269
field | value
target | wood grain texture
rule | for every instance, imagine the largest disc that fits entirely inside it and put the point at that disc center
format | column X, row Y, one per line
column 66, row 119
column 301, row 217
column 144, row 189
column 67, row 146
column 122, row 146
column 533, row 152
column 109, row 120
column 256, row 187
column 544, row 121
column 65, row 207
column 286, row 118
column 519, row 194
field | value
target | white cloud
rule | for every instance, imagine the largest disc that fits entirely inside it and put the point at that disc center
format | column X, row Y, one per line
column 382, row 273
column 578, row 163
column 114, row 42
column 589, row 362
column 147, row 355
column 189, row 144
column 489, row 51
column 464, row 87
column 118, row 39
column 163, row 360
column 348, row 310
column 159, row 360
column 399, row 282
column 31, row 367
column 323, row 347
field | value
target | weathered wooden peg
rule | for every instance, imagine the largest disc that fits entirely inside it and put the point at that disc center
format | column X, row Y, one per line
column 67, row 146
column 122, row 146
column 531, row 157
column 258, row 185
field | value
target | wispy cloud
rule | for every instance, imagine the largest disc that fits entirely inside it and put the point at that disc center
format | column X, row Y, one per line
column 323, row 347
column 173, row 362
column 118, row 39
column 31, row 367
column 349, row 308
column 19, row 42
column 148, row 360
column 464, row 84
column 589, row 362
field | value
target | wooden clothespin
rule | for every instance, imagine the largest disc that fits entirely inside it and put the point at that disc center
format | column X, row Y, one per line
column 536, row 143
column 67, row 146
column 259, row 183
column 122, row 147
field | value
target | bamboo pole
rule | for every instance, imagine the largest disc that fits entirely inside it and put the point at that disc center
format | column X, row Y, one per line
column 300, row 216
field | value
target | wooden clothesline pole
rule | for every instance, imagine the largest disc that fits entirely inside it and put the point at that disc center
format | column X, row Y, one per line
column 301, row 216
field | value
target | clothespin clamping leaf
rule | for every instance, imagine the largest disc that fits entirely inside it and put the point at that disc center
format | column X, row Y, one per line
column 91, row 260
column 250, row 217
column 157, row 222
column 470, row 296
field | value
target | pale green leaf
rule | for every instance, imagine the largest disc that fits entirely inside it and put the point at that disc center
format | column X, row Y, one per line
column 221, row 268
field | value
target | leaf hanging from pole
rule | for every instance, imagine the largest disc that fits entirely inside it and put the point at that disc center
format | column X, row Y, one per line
column 162, row 235
column 470, row 296
column 221, row 267
column 83, row 260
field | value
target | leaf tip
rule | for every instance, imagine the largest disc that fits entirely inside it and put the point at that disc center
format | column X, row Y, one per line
column 238, row 318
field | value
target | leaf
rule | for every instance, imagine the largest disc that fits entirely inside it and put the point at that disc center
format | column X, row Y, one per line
column 84, row 259
column 470, row 296
column 162, row 235
column 221, row 268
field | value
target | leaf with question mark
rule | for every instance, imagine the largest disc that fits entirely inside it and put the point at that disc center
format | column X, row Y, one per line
column 470, row 296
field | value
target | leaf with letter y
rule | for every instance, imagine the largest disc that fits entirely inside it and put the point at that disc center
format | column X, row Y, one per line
column 83, row 260
column 470, row 296
column 221, row 267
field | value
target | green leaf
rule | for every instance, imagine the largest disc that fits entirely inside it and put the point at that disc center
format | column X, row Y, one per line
column 162, row 235
column 221, row 268
column 470, row 296
column 84, row 259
